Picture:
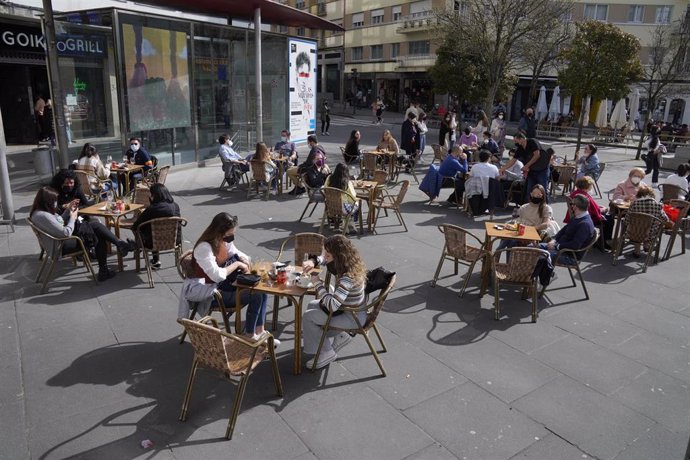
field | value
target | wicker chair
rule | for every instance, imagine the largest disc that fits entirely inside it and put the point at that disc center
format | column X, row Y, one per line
column 91, row 185
column 566, row 177
column 440, row 153
column 315, row 197
column 157, row 175
column 334, row 213
column 142, row 195
column 369, row 165
column 639, row 227
column 516, row 189
column 186, row 270
column 310, row 244
column 373, row 309
column 164, row 237
column 669, row 192
column 457, row 249
column 232, row 174
column 259, row 177
column 392, row 202
column 231, row 355
column 559, row 261
column 54, row 253
column 517, row 271
column 602, row 167
column 679, row 227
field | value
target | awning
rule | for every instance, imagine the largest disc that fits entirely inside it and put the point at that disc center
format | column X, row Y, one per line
column 271, row 12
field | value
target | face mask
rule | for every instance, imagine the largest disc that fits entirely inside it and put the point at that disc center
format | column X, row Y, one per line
column 229, row 143
column 529, row 115
column 134, row 147
column 229, row 239
column 535, row 200
column 55, row 205
column 467, row 132
column 283, row 138
column 67, row 189
column 511, row 155
column 500, row 117
column 635, row 180
column 319, row 163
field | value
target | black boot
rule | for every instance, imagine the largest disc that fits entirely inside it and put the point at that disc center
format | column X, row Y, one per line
column 105, row 274
column 125, row 247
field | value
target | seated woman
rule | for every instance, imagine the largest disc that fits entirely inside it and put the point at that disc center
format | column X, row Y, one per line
column 588, row 164
column 599, row 214
column 351, row 273
column 263, row 155
column 47, row 216
column 162, row 205
column 352, row 152
column 454, row 166
column 646, row 202
column 627, row 190
column 217, row 260
column 389, row 144
column 66, row 183
column 537, row 214
column 315, row 169
column 340, row 179
column 680, row 178
column 90, row 161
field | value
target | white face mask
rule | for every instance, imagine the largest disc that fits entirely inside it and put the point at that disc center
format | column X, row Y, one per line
column 229, row 143
column 500, row 117
column 135, row 148
column 635, row 180
column 283, row 138
column 55, row 205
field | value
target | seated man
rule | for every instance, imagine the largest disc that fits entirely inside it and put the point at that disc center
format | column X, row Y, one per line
column 286, row 148
column 455, row 167
column 514, row 172
column 227, row 154
column 489, row 144
column 138, row 155
column 575, row 235
column 484, row 168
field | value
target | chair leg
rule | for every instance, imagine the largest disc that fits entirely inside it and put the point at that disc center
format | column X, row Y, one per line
column 236, row 406
column 148, row 267
column 373, row 352
column 572, row 278
column 43, row 266
column 378, row 334
column 582, row 280
column 323, row 221
column 318, row 350
column 89, row 268
column 192, row 314
column 669, row 247
column 305, row 210
column 438, row 267
column 467, row 279
column 276, row 372
column 49, row 273
column 188, row 391
column 313, row 209
column 276, row 307
column 534, row 301
column 400, row 218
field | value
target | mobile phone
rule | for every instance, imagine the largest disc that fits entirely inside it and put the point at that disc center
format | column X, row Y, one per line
column 498, row 227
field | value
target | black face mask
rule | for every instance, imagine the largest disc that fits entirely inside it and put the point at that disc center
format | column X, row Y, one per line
column 229, row 239
column 67, row 189
column 467, row 132
column 535, row 200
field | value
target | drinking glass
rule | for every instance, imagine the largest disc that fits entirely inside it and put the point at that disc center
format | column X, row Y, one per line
column 354, row 172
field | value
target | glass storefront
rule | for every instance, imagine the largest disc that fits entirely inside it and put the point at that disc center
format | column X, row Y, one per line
column 180, row 84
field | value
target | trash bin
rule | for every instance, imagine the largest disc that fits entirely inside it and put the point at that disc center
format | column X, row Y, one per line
column 44, row 165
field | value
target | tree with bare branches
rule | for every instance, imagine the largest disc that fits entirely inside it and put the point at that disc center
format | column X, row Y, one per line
column 602, row 61
column 668, row 63
column 496, row 28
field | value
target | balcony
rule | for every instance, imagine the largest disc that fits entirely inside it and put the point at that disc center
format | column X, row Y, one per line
column 417, row 22
column 415, row 63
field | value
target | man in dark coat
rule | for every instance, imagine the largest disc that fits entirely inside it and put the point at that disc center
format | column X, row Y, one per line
column 409, row 139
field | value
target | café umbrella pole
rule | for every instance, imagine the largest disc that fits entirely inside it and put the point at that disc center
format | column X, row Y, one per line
column 56, row 94
column 257, row 75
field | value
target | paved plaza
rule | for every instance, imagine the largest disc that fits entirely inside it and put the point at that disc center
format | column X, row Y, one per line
column 90, row 371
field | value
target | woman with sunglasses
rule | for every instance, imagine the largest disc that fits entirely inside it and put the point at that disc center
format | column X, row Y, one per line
column 217, row 260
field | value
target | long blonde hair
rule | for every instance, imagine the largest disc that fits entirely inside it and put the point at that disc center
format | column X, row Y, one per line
column 262, row 153
column 346, row 259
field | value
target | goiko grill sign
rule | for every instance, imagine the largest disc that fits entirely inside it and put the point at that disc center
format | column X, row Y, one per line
column 24, row 38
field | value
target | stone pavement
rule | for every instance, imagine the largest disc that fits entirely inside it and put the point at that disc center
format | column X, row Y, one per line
column 89, row 371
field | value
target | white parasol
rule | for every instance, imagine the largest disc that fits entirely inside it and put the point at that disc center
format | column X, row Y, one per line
column 602, row 116
column 585, row 108
column 634, row 107
column 555, row 107
column 618, row 115
column 542, row 108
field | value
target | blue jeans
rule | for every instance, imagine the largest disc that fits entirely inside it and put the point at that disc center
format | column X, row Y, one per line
column 422, row 144
column 537, row 177
column 565, row 259
column 256, row 313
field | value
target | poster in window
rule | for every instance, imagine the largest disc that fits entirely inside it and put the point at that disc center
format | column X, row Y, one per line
column 157, row 77
column 302, row 57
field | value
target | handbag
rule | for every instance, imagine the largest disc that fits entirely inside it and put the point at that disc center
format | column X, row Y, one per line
column 247, row 279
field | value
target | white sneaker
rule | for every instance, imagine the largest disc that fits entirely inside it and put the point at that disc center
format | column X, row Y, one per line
column 324, row 360
column 257, row 337
column 327, row 133
column 340, row 340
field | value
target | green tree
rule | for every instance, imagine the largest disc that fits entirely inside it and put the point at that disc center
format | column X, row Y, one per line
column 668, row 63
column 602, row 61
column 496, row 29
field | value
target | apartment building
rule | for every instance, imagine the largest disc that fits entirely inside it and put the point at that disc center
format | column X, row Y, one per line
column 388, row 46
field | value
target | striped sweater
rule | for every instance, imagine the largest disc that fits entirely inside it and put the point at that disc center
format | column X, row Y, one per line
column 346, row 293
